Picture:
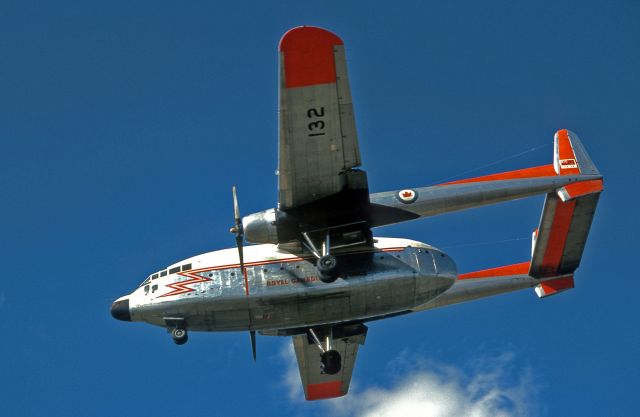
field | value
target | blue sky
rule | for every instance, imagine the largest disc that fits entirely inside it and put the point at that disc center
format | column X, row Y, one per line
column 124, row 125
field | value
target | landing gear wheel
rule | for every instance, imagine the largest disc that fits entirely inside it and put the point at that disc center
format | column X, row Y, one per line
column 327, row 268
column 331, row 362
column 179, row 336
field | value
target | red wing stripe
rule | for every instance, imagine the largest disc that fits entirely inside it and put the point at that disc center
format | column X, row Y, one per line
column 308, row 56
column 331, row 389
column 501, row 271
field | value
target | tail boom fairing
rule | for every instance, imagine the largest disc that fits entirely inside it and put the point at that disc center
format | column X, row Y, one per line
column 572, row 174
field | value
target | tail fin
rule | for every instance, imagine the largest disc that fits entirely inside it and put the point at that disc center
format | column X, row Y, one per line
column 569, row 156
column 559, row 241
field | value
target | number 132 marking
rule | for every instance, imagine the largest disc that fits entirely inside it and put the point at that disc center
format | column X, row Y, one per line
column 316, row 127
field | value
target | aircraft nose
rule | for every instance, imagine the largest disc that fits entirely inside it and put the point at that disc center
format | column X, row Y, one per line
column 120, row 309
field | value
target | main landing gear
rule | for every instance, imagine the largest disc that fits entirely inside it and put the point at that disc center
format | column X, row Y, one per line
column 327, row 267
column 330, row 359
column 331, row 362
column 326, row 263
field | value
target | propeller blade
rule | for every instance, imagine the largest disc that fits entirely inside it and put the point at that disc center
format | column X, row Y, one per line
column 237, row 229
column 252, row 334
column 240, row 252
column 239, row 232
column 236, row 208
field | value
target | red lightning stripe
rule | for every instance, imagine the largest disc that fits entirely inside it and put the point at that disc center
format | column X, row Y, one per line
column 182, row 286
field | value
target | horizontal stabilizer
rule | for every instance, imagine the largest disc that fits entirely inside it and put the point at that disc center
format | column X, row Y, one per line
column 571, row 191
column 554, row 286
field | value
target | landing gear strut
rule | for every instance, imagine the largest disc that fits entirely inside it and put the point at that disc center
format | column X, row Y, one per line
column 179, row 335
column 327, row 263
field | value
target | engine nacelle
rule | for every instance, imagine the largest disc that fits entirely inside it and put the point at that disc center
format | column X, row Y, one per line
column 261, row 227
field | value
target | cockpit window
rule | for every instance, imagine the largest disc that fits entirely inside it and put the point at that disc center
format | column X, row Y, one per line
column 186, row 267
column 154, row 288
column 163, row 273
column 154, row 276
column 146, row 290
column 174, row 270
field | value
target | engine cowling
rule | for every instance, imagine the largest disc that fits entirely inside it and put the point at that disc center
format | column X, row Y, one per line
column 261, row 227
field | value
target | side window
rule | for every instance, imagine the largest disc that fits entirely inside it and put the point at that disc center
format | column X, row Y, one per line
column 154, row 288
column 146, row 290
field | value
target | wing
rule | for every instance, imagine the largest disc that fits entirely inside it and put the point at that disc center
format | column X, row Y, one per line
column 317, row 383
column 318, row 142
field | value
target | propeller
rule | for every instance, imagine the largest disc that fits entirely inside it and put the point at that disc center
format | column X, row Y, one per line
column 238, row 230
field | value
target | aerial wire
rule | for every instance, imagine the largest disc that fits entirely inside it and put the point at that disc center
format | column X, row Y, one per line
column 490, row 242
column 506, row 158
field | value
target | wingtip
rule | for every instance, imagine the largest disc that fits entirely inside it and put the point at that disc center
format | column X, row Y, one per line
column 300, row 35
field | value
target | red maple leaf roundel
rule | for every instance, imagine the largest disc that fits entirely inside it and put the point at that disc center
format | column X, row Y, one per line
column 407, row 196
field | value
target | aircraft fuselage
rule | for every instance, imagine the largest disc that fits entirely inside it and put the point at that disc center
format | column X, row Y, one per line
column 281, row 291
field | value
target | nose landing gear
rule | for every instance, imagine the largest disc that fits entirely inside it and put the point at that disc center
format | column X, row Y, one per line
column 180, row 336
column 178, row 328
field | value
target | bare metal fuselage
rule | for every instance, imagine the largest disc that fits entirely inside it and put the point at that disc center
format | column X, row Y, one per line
column 287, row 293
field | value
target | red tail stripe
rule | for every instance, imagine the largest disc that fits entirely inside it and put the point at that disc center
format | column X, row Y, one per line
column 556, row 285
column 558, row 236
column 535, row 172
column 583, row 188
column 501, row 271
column 565, row 151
